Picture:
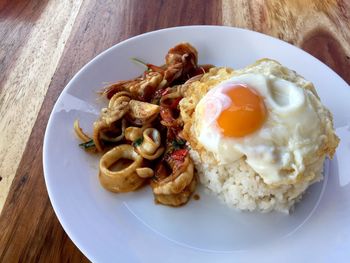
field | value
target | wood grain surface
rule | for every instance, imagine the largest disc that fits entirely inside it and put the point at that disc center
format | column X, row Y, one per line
column 44, row 43
column 30, row 52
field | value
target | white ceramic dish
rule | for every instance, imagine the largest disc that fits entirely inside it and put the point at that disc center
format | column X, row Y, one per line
column 129, row 227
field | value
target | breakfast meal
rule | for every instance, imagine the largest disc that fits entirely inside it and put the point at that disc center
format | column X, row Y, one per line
column 257, row 137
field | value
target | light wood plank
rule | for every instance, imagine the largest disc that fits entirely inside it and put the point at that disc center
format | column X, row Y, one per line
column 319, row 27
column 25, row 86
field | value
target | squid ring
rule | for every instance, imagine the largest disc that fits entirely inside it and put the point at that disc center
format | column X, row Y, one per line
column 117, row 138
column 174, row 186
column 145, row 172
column 149, row 148
column 134, row 133
column 126, row 179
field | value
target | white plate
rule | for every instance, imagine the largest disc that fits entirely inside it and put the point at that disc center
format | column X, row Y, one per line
column 131, row 228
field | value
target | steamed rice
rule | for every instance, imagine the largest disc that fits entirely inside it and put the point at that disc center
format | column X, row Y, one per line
column 240, row 187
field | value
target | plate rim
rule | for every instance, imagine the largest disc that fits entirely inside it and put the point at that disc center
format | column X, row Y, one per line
column 75, row 238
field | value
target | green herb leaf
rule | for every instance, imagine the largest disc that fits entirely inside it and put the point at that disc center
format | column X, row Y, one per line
column 140, row 62
column 87, row 145
column 138, row 142
column 178, row 144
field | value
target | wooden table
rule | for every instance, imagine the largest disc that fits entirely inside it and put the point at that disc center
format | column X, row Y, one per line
column 44, row 43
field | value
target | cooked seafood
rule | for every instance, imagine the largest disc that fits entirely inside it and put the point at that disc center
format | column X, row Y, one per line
column 257, row 137
column 126, row 179
column 180, row 64
column 141, row 113
column 150, row 148
column 139, row 130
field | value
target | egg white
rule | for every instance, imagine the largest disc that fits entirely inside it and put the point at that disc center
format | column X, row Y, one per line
column 288, row 141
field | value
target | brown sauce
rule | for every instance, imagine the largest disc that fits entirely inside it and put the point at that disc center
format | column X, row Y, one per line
column 196, row 197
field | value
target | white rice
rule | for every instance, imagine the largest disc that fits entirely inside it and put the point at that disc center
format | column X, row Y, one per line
column 240, row 187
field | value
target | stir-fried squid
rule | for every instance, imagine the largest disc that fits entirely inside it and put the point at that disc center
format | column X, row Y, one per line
column 126, row 178
column 139, row 130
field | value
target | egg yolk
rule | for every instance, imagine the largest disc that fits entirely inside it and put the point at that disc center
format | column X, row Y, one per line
column 245, row 115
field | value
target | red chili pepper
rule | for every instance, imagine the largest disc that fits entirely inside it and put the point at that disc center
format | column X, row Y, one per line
column 111, row 91
column 179, row 155
column 165, row 92
column 175, row 102
column 166, row 115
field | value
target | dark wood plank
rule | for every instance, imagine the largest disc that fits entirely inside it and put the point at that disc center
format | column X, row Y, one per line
column 13, row 32
column 323, row 45
column 30, row 230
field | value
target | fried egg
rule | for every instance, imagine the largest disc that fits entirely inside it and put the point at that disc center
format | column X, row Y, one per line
column 269, row 116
